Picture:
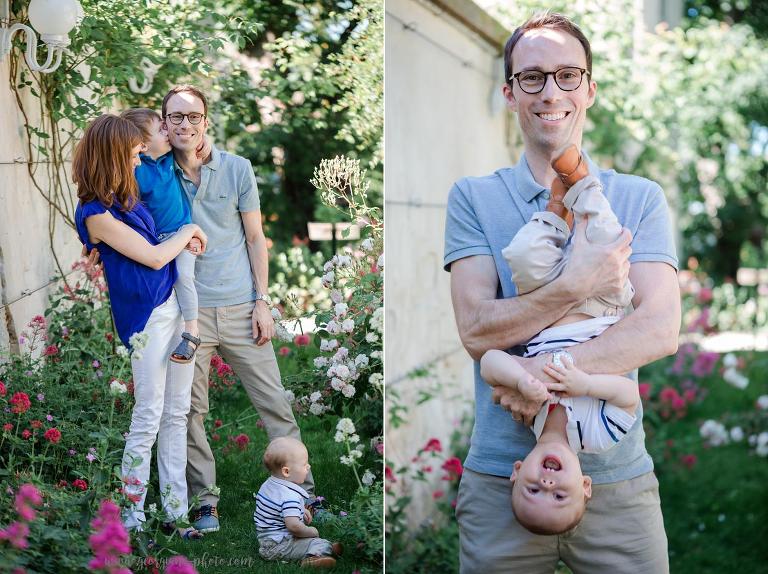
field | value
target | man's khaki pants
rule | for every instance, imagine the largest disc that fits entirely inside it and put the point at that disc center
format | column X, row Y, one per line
column 622, row 531
column 228, row 330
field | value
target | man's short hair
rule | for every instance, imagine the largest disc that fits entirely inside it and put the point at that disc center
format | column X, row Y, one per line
column 546, row 19
column 142, row 118
column 185, row 88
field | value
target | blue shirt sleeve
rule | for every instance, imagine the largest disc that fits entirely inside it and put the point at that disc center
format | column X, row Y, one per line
column 83, row 212
column 248, row 192
column 464, row 236
column 653, row 239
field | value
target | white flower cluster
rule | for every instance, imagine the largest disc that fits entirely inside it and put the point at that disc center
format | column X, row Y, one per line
column 377, row 320
column 117, row 388
column 138, row 341
column 367, row 244
column 342, row 369
column 316, row 406
column 760, row 442
column 716, row 434
column 122, row 351
column 368, row 478
column 762, row 402
column 731, row 375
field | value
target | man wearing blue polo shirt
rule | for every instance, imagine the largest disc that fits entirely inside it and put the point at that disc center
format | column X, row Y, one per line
column 622, row 529
column 231, row 280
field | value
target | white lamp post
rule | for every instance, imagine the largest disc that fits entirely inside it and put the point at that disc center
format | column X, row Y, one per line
column 53, row 20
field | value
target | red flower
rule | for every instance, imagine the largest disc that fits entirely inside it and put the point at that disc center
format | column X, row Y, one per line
column 302, row 340
column 80, row 483
column 437, row 494
column 453, row 467
column 26, row 433
column 20, row 403
column 3, row 390
column 389, row 474
column 242, row 441
column 50, row 351
column 216, row 436
column 645, row 390
column 217, row 423
column 109, row 336
column 284, row 351
column 433, row 445
column 62, row 484
column 53, row 435
column 8, row 427
column 16, row 533
column 688, row 460
column 668, row 394
column 36, row 424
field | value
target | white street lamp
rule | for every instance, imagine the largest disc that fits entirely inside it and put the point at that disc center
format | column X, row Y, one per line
column 53, row 20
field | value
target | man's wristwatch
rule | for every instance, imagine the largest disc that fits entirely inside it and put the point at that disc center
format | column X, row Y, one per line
column 557, row 358
column 264, row 297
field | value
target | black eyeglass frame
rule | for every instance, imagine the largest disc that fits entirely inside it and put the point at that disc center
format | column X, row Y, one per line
column 554, row 77
column 189, row 119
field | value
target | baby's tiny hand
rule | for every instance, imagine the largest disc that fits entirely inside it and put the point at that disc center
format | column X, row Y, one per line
column 571, row 381
column 307, row 516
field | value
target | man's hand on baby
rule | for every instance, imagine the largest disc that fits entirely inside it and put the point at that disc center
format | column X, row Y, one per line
column 597, row 270
column 571, row 381
column 522, row 409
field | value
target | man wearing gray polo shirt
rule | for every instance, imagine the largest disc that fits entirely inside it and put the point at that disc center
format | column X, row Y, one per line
column 231, row 281
column 622, row 529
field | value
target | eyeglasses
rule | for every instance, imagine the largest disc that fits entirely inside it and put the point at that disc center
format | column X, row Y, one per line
column 533, row 81
column 194, row 118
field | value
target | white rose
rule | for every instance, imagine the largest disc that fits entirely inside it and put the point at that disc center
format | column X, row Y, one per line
column 735, row 378
column 730, row 361
column 361, row 359
column 337, row 384
column 348, row 391
column 333, row 327
column 376, row 355
column 117, row 388
column 290, row 396
column 341, row 309
column 316, row 409
column 336, row 296
column 371, row 337
column 375, row 380
column 342, row 371
column 341, row 354
column 316, row 396
column 762, row 402
column 348, row 325
column 368, row 478
column 320, row 362
column 328, row 266
column 736, row 434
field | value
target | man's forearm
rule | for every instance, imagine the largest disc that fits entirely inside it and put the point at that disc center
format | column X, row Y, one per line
column 259, row 259
column 648, row 334
column 504, row 323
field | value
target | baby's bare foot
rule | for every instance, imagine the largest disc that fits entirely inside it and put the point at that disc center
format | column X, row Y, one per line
column 532, row 389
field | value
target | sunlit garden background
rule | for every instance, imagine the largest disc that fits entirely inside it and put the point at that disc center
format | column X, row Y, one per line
column 292, row 85
column 687, row 107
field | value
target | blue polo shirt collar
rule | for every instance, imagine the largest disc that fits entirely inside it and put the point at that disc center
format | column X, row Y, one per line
column 527, row 187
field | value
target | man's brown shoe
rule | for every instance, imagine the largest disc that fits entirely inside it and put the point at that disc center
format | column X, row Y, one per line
column 570, row 168
column 318, row 562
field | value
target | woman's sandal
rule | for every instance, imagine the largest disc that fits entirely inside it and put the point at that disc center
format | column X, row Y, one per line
column 182, row 353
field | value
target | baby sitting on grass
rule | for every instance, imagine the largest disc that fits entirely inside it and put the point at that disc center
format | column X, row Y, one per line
column 282, row 521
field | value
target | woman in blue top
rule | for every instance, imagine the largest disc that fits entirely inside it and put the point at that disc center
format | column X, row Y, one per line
column 140, row 274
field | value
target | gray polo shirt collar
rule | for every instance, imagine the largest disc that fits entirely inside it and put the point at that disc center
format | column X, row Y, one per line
column 521, row 179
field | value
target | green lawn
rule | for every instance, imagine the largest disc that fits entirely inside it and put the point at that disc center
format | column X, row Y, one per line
column 240, row 473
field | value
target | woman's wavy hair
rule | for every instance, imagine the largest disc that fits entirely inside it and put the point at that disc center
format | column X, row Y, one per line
column 102, row 168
